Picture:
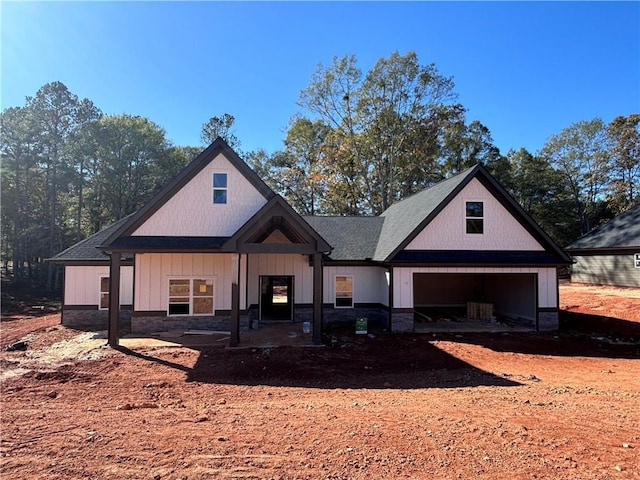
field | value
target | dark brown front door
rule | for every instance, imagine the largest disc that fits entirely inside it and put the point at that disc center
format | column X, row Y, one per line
column 276, row 298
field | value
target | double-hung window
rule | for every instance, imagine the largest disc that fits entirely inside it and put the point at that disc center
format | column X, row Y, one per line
column 344, row 291
column 636, row 257
column 190, row 296
column 104, row 293
column 474, row 217
column 219, row 188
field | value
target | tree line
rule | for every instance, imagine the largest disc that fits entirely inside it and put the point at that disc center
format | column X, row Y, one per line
column 362, row 141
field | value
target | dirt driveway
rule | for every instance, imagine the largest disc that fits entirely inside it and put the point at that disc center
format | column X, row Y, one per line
column 510, row 406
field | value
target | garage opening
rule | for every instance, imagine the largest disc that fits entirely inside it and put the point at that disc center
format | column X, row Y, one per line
column 475, row 298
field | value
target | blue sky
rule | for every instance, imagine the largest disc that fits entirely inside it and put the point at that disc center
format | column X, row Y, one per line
column 525, row 70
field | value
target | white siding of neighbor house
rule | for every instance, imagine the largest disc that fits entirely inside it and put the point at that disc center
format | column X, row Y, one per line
column 192, row 213
column 619, row 270
column 369, row 284
column 281, row 264
column 403, row 282
column 448, row 230
column 153, row 271
column 82, row 284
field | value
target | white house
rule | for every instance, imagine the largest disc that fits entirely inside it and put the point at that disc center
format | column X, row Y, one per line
column 218, row 249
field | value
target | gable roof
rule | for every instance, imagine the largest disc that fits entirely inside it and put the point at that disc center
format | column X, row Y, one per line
column 191, row 170
column 405, row 219
column 86, row 250
column 621, row 232
column 277, row 214
column 350, row 239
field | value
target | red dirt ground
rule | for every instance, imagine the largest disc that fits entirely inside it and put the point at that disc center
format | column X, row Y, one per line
column 563, row 405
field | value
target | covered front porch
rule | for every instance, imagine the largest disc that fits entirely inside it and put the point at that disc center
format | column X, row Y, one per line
column 236, row 278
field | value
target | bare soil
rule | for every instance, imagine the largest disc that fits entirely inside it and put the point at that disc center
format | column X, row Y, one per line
column 561, row 405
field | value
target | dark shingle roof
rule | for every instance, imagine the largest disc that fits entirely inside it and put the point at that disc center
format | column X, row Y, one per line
column 86, row 250
column 622, row 231
column 403, row 218
column 352, row 238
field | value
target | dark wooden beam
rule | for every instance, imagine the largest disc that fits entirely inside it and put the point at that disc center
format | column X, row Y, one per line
column 234, row 340
column 390, row 298
column 317, row 298
column 114, row 298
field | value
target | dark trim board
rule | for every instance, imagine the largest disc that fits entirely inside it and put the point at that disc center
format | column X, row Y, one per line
column 92, row 307
column 81, row 307
column 588, row 252
column 149, row 313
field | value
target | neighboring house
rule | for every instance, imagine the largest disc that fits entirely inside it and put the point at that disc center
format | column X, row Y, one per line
column 218, row 249
column 610, row 254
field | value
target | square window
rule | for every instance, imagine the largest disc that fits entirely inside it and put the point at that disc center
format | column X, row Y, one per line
column 220, row 196
column 219, row 180
column 190, row 296
column 475, row 209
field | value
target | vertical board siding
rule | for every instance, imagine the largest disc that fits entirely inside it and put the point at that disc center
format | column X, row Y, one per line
column 82, row 284
column 616, row 270
column 368, row 283
column 153, row 271
column 191, row 211
column 281, row 264
column 448, row 230
column 403, row 282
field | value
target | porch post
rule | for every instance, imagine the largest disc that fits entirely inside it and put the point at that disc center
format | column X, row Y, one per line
column 390, row 299
column 234, row 340
column 317, row 298
column 114, row 298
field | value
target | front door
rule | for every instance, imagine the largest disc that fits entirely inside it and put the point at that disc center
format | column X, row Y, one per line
column 276, row 298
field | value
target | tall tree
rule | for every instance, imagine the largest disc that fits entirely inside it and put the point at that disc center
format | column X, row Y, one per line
column 540, row 190
column 126, row 148
column 580, row 154
column 220, row 127
column 376, row 123
column 624, row 137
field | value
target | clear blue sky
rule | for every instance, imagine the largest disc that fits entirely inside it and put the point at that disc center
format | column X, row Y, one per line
column 525, row 70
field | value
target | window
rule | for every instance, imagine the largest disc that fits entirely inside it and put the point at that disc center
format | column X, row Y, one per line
column 344, row 291
column 637, row 260
column 190, row 296
column 104, row 293
column 220, row 188
column 474, row 216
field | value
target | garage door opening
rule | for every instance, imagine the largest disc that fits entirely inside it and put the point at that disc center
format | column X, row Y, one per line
column 474, row 298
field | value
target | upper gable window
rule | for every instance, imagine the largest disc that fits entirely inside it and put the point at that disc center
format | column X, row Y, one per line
column 474, row 217
column 220, row 188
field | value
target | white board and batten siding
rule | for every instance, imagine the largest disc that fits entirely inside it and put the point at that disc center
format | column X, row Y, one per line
column 153, row 271
column 82, row 284
column 403, row 281
column 370, row 284
column 295, row 265
column 448, row 230
column 192, row 213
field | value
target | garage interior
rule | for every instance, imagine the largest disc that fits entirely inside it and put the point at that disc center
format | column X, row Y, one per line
column 474, row 301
